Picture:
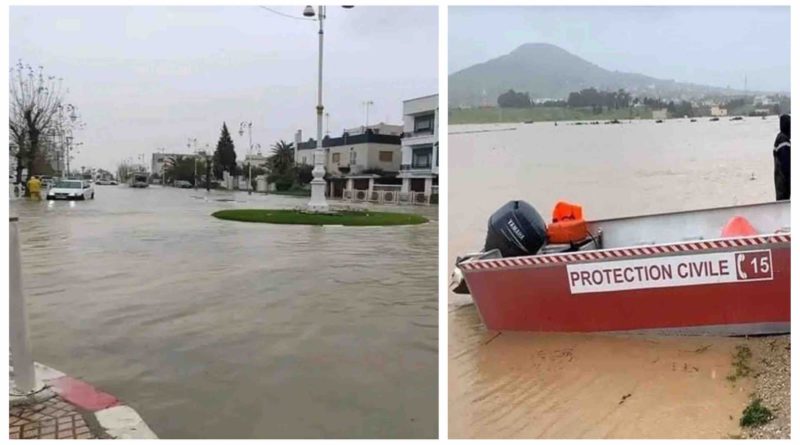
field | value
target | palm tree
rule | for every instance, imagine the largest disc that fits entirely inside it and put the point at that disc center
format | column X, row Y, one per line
column 282, row 159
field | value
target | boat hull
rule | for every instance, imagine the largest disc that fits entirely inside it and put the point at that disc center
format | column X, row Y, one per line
column 732, row 286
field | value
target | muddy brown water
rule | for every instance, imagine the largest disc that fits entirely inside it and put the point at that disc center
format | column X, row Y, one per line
column 531, row 385
column 220, row 329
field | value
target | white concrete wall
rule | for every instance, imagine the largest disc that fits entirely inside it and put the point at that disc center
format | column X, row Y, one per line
column 420, row 105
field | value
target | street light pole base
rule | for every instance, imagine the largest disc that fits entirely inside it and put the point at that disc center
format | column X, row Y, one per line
column 318, row 202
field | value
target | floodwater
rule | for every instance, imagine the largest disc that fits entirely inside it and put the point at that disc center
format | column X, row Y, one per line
column 526, row 385
column 220, row 329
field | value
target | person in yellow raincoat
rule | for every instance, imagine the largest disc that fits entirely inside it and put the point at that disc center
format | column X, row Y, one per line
column 35, row 188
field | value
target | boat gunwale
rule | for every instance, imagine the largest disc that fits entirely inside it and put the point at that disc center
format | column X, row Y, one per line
column 680, row 212
column 564, row 258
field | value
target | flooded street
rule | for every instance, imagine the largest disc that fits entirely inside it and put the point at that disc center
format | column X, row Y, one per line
column 218, row 329
column 525, row 385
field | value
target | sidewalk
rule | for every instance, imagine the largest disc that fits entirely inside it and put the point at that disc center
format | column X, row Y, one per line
column 51, row 419
column 67, row 408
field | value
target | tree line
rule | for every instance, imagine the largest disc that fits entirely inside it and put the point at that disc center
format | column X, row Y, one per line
column 599, row 101
column 280, row 167
column 587, row 97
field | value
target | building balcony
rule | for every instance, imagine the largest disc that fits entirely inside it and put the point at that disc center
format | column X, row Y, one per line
column 418, row 138
column 418, row 170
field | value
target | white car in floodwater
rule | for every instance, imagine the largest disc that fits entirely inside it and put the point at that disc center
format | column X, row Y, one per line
column 71, row 189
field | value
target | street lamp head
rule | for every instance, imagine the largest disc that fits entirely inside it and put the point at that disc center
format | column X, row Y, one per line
column 347, row 6
column 308, row 11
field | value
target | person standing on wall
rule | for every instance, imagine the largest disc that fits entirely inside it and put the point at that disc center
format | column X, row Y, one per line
column 782, row 155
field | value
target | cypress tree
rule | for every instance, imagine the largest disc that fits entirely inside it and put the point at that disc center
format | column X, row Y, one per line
column 225, row 155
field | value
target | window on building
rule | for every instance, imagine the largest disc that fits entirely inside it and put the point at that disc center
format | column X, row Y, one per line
column 421, row 157
column 352, row 157
column 423, row 124
column 336, row 157
column 385, row 156
column 304, row 160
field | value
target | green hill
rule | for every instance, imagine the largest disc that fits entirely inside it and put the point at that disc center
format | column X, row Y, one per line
column 549, row 72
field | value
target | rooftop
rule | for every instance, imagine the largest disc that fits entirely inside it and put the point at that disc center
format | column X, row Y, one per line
column 347, row 139
column 421, row 97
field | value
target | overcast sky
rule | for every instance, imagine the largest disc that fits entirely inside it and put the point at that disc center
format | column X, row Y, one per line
column 148, row 77
column 706, row 45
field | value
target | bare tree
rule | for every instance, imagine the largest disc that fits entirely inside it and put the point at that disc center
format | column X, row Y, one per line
column 35, row 102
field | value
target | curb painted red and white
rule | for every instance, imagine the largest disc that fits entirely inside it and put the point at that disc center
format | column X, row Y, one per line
column 626, row 252
column 118, row 420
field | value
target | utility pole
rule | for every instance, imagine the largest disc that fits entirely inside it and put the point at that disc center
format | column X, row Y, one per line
column 209, row 167
column 19, row 343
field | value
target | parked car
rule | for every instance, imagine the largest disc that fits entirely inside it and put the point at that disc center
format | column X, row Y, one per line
column 183, row 184
column 71, row 189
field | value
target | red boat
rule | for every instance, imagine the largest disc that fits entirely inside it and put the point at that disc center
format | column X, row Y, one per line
column 721, row 271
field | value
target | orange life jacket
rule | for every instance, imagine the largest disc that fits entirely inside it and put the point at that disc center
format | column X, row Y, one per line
column 568, row 224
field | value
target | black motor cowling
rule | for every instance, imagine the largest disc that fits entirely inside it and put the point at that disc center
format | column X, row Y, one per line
column 516, row 229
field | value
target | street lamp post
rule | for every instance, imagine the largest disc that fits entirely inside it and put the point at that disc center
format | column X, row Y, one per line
column 73, row 117
column 189, row 144
column 69, row 151
column 318, row 202
column 208, row 168
column 249, row 126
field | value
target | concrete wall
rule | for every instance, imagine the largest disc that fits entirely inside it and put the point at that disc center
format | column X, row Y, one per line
column 420, row 105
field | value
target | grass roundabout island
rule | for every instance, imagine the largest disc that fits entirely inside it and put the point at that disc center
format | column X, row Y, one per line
column 334, row 218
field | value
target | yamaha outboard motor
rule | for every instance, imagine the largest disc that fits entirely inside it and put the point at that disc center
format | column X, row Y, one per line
column 516, row 229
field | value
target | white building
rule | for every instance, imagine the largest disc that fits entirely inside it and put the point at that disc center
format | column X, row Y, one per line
column 718, row 111
column 256, row 160
column 355, row 151
column 419, row 167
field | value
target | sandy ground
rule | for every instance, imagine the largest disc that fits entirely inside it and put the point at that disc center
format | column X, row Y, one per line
column 528, row 385
column 771, row 363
